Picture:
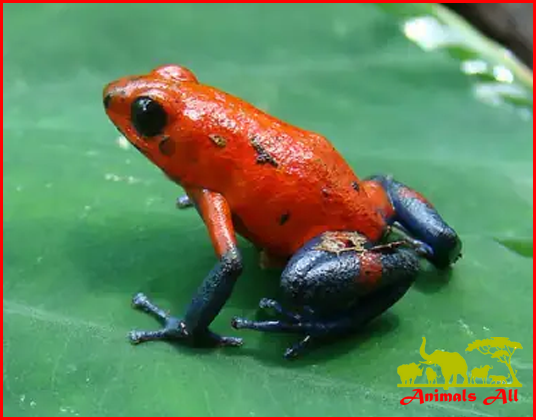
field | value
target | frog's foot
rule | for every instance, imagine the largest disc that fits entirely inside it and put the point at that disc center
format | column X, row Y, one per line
column 174, row 329
column 294, row 322
column 435, row 239
column 184, row 202
column 311, row 330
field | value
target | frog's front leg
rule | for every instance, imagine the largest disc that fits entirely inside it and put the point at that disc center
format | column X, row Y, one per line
column 215, row 289
column 339, row 281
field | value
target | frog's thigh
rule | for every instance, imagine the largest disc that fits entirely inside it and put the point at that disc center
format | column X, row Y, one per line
column 337, row 284
column 336, row 271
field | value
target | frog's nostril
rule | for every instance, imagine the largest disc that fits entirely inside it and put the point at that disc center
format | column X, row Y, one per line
column 107, row 101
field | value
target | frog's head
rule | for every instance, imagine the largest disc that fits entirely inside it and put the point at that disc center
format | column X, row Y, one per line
column 142, row 108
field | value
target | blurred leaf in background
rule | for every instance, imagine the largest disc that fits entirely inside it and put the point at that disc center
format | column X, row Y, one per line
column 500, row 77
column 509, row 24
column 88, row 222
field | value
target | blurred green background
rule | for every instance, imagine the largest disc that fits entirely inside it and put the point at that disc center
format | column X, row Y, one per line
column 88, row 223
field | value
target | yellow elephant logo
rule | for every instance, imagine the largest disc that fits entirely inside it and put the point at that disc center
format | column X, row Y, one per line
column 453, row 369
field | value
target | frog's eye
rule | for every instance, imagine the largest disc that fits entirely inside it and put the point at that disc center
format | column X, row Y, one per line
column 148, row 117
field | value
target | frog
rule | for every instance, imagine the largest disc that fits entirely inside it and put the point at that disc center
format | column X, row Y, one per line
column 290, row 193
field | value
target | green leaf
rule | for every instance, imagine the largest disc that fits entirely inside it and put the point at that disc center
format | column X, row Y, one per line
column 89, row 222
column 461, row 53
column 521, row 246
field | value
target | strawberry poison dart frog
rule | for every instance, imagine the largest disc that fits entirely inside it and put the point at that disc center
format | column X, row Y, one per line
column 290, row 193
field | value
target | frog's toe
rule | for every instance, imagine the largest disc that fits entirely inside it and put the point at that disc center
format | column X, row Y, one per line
column 305, row 313
column 184, row 202
column 221, row 341
column 267, row 303
column 138, row 337
column 274, row 305
column 240, row 323
column 141, row 302
column 297, row 349
column 269, row 326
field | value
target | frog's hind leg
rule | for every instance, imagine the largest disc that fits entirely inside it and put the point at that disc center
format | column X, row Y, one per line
column 350, row 321
column 340, row 282
column 437, row 241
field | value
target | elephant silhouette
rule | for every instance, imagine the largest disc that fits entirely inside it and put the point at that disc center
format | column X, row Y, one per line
column 481, row 373
column 452, row 364
column 431, row 375
column 408, row 373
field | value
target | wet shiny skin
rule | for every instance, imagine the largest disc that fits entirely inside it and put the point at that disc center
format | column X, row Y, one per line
column 310, row 173
column 289, row 192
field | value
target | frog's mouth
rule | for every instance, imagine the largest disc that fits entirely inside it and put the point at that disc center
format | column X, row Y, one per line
column 139, row 149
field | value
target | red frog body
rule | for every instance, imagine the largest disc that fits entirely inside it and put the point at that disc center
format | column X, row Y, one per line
column 289, row 192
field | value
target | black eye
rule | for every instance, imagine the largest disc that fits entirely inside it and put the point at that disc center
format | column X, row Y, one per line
column 148, row 117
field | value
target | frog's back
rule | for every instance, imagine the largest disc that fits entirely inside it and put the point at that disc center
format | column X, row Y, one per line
column 284, row 185
column 298, row 190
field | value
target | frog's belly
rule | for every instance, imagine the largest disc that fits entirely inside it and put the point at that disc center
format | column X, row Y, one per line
column 283, row 229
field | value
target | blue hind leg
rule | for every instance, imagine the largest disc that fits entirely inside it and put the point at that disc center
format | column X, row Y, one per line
column 337, row 283
column 435, row 239
column 315, row 329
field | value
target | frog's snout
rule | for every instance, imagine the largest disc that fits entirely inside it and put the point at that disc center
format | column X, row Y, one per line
column 107, row 100
column 108, row 94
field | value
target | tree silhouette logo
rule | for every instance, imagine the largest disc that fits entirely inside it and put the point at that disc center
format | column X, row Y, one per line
column 502, row 350
column 449, row 369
